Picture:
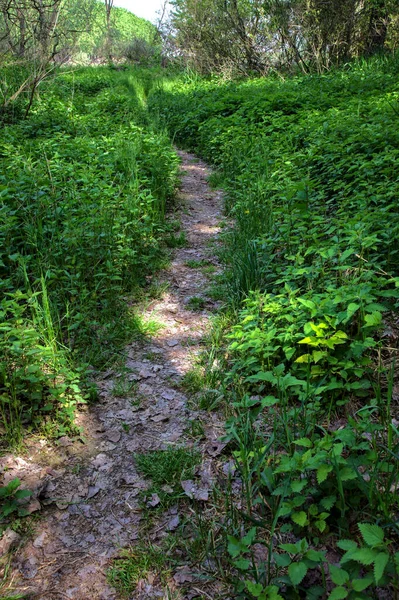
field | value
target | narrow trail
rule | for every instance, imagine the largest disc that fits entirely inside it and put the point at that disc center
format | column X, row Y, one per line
column 89, row 494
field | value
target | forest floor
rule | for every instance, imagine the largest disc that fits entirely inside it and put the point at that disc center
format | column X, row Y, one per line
column 89, row 499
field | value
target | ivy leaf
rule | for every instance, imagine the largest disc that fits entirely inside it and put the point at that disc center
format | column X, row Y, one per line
column 380, row 563
column 371, row 534
column 297, row 572
column 338, row 576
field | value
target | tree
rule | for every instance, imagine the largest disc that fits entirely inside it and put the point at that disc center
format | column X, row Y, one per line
column 29, row 31
column 108, row 9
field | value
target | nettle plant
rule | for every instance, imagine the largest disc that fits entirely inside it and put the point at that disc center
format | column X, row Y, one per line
column 324, row 339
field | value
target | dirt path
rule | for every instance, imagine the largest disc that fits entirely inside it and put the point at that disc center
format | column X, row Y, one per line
column 90, row 493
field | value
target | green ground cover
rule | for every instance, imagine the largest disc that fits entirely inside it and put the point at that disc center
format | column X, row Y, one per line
column 307, row 355
column 84, row 187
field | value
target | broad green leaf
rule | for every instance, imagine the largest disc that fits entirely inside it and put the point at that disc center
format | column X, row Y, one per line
column 319, row 355
column 373, row 320
column 20, row 494
column 338, row 576
column 282, row 560
column 322, row 472
column 291, row 548
column 305, row 442
column 347, row 474
column 351, row 309
column 315, row 556
column 234, row 546
column 242, row 563
column 271, row 593
column 371, row 534
column 365, row 556
column 338, row 593
column 300, row 518
column 328, row 502
column 254, row 588
column 297, row 572
column 380, row 563
column 297, row 486
column 248, row 539
column 361, row 584
column 346, row 545
column 321, row 525
column 304, row 358
column 307, row 303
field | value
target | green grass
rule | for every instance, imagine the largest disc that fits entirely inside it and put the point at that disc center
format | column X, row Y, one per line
column 168, row 466
column 176, row 240
column 192, row 381
column 196, row 303
column 135, row 564
column 166, row 469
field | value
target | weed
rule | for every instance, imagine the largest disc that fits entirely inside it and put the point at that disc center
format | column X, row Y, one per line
column 168, row 466
column 10, row 501
column 176, row 241
column 196, row 303
column 135, row 564
column 195, row 429
column 196, row 264
column 157, row 289
column 192, row 381
column 124, row 387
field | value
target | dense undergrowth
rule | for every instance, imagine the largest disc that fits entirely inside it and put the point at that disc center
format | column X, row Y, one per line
column 309, row 356
column 84, row 185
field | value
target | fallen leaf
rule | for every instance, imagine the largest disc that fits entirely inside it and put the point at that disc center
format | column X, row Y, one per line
column 183, row 575
column 32, row 507
column 113, row 435
column 8, row 540
column 172, row 343
column 194, row 491
column 93, row 490
column 173, row 523
column 160, row 418
column 155, row 500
